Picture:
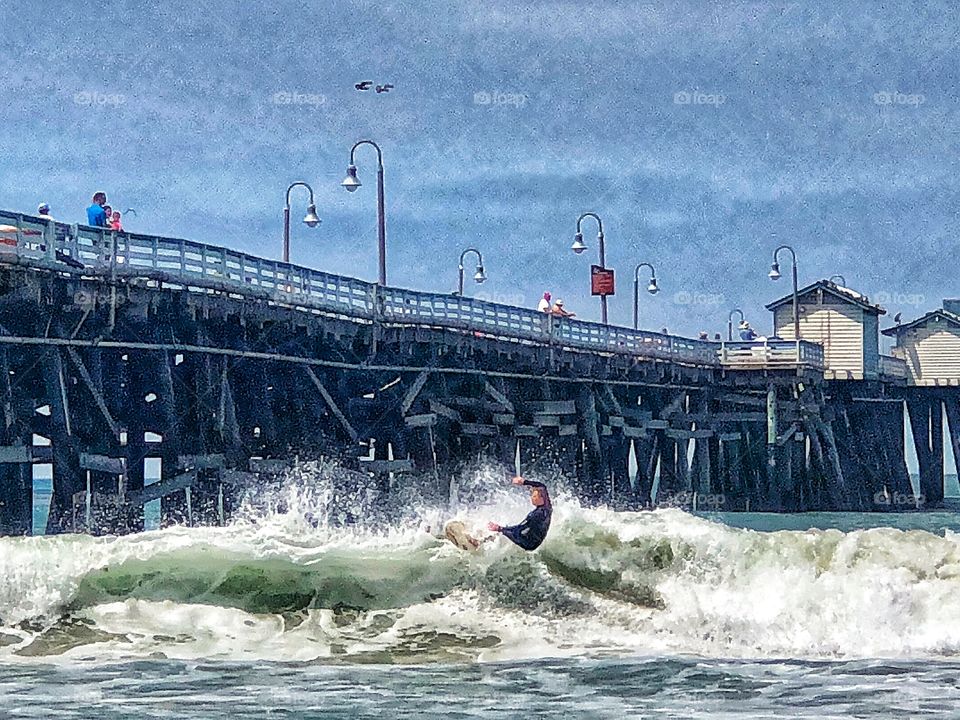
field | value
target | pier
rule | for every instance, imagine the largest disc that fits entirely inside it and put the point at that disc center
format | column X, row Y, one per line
column 119, row 347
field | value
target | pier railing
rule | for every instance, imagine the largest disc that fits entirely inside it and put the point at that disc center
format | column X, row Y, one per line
column 35, row 241
column 748, row 355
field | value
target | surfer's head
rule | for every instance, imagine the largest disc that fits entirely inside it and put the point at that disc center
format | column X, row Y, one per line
column 538, row 496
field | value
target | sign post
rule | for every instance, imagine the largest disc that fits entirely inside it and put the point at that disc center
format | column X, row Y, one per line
column 601, row 281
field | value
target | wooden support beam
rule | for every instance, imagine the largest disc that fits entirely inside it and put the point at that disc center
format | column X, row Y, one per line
column 550, row 407
column 410, row 396
column 499, row 397
column 423, row 420
column 161, row 489
column 442, row 410
column 102, row 463
column 331, row 403
column 380, row 467
column 212, row 461
column 97, row 396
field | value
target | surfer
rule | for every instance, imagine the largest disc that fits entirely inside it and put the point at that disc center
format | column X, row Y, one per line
column 533, row 530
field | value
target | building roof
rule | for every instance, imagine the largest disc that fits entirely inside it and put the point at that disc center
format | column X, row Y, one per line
column 938, row 314
column 837, row 291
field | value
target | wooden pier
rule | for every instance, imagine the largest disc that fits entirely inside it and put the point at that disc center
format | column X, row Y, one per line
column 119, row 347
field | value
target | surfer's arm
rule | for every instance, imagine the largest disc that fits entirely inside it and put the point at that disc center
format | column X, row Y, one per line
column 518, row 480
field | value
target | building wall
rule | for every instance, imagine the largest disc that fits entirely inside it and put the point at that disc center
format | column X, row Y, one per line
column 838, row 327
column 932, row 354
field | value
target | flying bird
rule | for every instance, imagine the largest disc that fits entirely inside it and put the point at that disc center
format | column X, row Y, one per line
column 365, row 85
column 384, row 88
column 896, row 318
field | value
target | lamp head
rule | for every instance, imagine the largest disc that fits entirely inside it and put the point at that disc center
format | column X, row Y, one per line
column 578, row 246
column 652, row 288
column 351, row 182
column 480, row 276
column 775, row 271
column 311, row 219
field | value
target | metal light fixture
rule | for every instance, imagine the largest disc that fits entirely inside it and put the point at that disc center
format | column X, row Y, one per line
column 479, row 276
column 578, row 246
column 775, row 271
column 311, row 219
column 351, row 182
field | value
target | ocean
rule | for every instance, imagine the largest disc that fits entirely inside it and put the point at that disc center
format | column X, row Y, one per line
column 287, row 613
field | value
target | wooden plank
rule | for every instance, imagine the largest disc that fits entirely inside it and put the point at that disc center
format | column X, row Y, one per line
column 270, row 466
column 479, row 429
column 331, row 403
column 162, row 489
column 102, row 463
column 551, row 407
column 526, row 431
column 201, row 462
column 504, row 419
column 738, row 399
column 637, row 415
column 499, row 397
column 439, row 408
column 379, row 467
column 657, row 424
column 724, row 417
column 476, row 404
column 544, row 420
column 728, row 436
column 788, row 435
column 413, row 391
column 15, row 454
column 97, row 397
column 688, row 434
column 423, row 420
column 567, row 430
column 616, row 421
column 632, row 432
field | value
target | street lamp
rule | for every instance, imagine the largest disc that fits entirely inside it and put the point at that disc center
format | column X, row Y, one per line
column 775, row 275
column 651, row 288
column 479, row 276
column 310, row 219
column 730, row 322
column 841, row 278
column 578, row 247
column 351, row 182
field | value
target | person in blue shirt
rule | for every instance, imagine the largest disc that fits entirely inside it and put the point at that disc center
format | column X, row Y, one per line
column 96, row 215
column 747, row 333
column 530, row 533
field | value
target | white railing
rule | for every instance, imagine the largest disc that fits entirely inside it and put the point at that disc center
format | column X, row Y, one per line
column 748, row 355
column 35, row 241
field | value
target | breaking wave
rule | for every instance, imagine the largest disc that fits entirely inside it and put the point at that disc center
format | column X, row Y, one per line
column 281, row 585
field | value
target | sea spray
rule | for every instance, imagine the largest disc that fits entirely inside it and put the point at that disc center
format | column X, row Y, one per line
column 311, row 572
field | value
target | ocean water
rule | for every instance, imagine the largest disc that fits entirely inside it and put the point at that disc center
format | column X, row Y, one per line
column 656, row 614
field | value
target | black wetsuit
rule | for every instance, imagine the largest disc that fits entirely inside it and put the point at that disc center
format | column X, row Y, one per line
column 533, row 530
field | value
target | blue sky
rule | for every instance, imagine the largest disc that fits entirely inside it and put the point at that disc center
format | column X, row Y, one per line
column 704, row 134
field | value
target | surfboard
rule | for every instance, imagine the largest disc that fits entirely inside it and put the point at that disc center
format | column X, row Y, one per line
column 456, row 532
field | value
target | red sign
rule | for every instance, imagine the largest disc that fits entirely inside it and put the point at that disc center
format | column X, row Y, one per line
column 601, row 281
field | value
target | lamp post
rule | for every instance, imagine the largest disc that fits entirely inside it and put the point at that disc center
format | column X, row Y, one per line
column 310, row 219
column 841, row 278
column 730, row 322
column 651, row 288
column 351, row 182
column 578, row 247
column 775, row 275
column 479, row 276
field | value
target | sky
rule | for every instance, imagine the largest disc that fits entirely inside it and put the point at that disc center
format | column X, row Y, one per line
column 704, row 134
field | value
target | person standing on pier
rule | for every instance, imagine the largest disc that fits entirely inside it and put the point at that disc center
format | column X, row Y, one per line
column 747, row 333
column 96, row 214
column 560, row 311
column 530, row 533
column 544, row 305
